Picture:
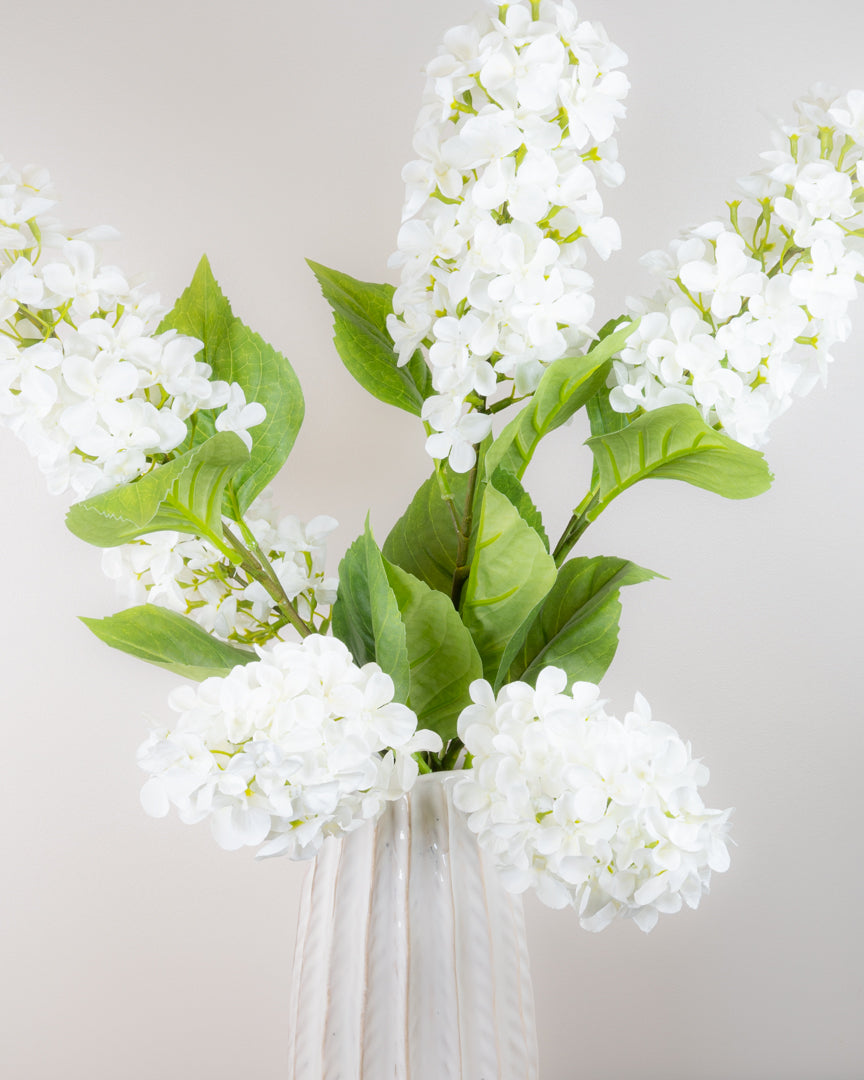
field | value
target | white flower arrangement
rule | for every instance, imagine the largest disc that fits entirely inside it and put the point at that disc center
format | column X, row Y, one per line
column 466, row 640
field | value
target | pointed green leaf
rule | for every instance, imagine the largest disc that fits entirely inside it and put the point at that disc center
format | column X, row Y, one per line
column 604, row 420
column 237, row 354
column 168, row 640
column 576, row 626
column 565, row 387
column 202, row 311
column 601, row 416
column 675, row 443
column 511, row 571
column 425, row 541
column 366, row 615
column 442, row 659
column 360, row 311
column 508, row 485
column 185, row 496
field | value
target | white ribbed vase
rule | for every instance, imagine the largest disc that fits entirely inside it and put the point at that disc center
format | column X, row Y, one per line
column 411, row 959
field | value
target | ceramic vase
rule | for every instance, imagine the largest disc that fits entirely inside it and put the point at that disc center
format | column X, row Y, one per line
column 411, row 960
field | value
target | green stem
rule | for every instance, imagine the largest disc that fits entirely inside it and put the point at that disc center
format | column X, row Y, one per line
column 34, row 317
column 446, row 494
column 259, row 568
column 506, row 403
column 422, row 763
column 248, row 535
column 451, row 755
column 582, row 517
column 464, row 529
column 201, row 528
column 779, row 266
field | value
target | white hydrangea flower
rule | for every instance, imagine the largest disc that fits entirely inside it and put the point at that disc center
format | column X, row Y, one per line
column 188, row 575
column 85, row 380
column 282, row 752
column 593, row 812
column 458, row 429
column 238, row 417
column 502, row 208
column 80, row 280
column 764, row 297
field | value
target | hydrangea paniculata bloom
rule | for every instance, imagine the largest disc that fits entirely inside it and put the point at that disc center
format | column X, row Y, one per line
column 188, row 575
column 296, row 746
column 502, row 208
column 593, row 812
column 85, row 380
column 749, row 309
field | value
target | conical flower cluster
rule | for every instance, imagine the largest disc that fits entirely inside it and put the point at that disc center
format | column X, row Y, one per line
column 503, row 209
column 749, row 308
column 86, row 381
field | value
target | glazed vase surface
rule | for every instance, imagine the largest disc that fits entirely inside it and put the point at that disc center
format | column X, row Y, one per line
column 411, row 959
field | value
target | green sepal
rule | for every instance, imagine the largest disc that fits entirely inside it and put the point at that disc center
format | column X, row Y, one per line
column 566, row 385
column 185, row 495
column 442, row 658
column 366, row 615
column 511, row 571
column 169, row 641
column 360, row 310
column 575, row 627
column 237, row 354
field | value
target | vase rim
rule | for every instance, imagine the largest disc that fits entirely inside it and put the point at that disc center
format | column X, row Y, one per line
column 442, row 776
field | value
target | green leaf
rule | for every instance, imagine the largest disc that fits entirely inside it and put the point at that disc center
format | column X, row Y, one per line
column 424, row 541
column 237, row 354
column 565, row 387
column 360, row 311
column 508, row 485
column 202, row 311
column 604, row 420
column 185, row 495
column 675, row 443
column 601, row 416
column 442, row 659
column 366, row 615
column 168, row 640
column 511, row 571
column 576, row 626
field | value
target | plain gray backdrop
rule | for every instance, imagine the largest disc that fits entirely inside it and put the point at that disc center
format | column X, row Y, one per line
column 265, row 132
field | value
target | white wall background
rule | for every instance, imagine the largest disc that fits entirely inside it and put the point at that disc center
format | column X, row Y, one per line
column 267, row 131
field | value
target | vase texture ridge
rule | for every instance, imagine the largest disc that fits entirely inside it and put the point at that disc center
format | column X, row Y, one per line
column 411, row 960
